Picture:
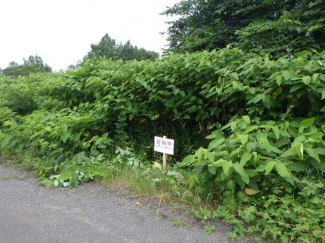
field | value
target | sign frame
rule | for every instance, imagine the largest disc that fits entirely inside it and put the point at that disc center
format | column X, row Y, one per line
column 164, row 145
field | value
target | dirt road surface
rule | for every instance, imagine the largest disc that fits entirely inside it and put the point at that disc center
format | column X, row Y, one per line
column 30, row 213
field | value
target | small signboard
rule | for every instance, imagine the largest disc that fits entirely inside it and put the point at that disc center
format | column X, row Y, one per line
column 164, row 145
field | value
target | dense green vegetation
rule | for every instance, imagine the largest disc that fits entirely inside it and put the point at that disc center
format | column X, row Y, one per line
column 276, row 27
column 247, row 119
column 264, row 119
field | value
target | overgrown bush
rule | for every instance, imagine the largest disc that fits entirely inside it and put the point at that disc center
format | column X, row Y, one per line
column 265, row 119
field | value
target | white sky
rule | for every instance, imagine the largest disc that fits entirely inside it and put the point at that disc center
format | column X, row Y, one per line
column 61, row 31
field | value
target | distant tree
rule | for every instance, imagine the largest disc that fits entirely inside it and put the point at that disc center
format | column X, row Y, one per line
column 107, row 47
column 71, row 66
column 278, row 27
column 13, row 64
column 33, row 64
column 74, row 66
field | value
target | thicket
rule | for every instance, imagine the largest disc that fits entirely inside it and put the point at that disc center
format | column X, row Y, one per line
column 275, row 27
column 249, row 128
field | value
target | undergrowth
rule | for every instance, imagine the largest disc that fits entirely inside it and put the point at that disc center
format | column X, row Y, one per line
column 248, row 129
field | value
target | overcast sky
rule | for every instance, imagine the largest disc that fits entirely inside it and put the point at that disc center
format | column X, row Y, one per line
column 61, row 31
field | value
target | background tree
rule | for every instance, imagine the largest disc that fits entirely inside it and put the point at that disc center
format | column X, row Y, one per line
column 74, row 66
column 108, row 48
column 33, row 64
column 277, row 27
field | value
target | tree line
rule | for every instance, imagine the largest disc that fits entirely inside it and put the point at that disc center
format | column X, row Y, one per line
column 106, row 48
column 274, row 27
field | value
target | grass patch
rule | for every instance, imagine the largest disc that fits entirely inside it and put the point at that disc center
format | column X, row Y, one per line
column 165, row 192
column 148, row 182
column 130, row 179
column 21, row 177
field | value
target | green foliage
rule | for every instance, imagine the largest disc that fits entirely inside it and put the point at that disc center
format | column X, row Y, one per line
column 177, row 222
column 248, row 123
column 147, row 181
column 108, row 48
column 281, row 215
column 21, row 94
column 275, row 27
column 242, row 124
column 282, row 152
column 209, row 229
column 31, row 65
column 21, row 177
column 181, row 96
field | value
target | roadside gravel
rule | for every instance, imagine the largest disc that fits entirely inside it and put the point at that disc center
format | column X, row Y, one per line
column 30, row 213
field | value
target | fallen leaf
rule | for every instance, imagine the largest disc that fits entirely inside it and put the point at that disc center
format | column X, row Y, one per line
column 250, row 191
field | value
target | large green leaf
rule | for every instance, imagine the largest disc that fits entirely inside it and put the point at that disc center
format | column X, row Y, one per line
column 306, row 79
column 226, row 167
column 297, row 167
column 241, row 171
column 243, row 138
column 276, row 132
column 287, row 75
column 64, row 176
column 312, row 153
column 215, row 143
column 6, row 141
column 246, row 157
column 201, row 155
column 306, row 123
column 246, row 119
column 320, row 151
column 282, row 169
column 188, row 160
column 212, row 169
column 215, row 135
column 269, row 167
column 323, row 95
column 303, row 54
column 64, row 137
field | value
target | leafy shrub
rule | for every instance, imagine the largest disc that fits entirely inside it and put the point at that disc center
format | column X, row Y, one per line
column 264, row 151
column 277, row 215
column 264, row 117
column 21, row 94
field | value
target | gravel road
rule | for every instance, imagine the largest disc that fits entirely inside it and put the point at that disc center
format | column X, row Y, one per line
column 30, row 213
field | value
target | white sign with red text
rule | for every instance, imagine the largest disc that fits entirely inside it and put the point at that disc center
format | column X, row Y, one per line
column 164, row 145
